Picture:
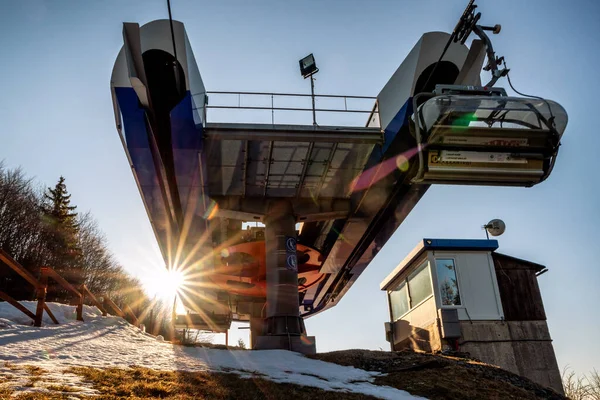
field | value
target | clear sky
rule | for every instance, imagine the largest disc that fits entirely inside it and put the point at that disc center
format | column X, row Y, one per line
column 56, row 118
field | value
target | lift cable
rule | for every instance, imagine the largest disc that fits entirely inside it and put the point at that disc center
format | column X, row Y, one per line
column 459, row 28
column 439, row 60
column 466, row 25
column 172, row 31
column 176, row 72
column 551, row 119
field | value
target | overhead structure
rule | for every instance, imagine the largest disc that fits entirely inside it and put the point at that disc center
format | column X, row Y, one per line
column 328, row 197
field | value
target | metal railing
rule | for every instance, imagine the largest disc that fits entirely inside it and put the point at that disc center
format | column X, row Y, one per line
column 273, row 101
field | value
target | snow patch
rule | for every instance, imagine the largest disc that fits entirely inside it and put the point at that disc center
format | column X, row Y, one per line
column 109, row 341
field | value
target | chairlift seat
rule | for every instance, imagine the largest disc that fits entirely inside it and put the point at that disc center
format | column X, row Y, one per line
column 486, row 139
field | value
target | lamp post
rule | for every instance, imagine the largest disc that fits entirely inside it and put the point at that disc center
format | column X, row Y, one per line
column 308, row 68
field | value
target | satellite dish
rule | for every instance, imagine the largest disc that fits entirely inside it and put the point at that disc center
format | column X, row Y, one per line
column 495, row 227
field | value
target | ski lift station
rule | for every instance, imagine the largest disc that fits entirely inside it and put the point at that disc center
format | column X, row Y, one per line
column 329, row 191
column 464, row 296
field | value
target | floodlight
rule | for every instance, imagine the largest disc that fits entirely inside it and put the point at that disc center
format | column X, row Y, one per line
column 308, row 66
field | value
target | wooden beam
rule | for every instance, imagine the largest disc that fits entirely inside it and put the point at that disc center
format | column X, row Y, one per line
column 18, row 268
column 86, row 292
column 52, row 317
column 129, row 311
column 17, row 305
column 79, row 309
column 111, row 304
column 60, row 280
column 41, row 300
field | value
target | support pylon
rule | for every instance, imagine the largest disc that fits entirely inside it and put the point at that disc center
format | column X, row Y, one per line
column 283, row 327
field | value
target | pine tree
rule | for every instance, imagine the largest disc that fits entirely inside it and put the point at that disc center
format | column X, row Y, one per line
column 62, row 229
column 57, row 206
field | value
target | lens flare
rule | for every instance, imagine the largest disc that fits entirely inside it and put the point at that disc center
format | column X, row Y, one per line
column 464, row 120
column 376, row 173
column 165, row 284
column 211, row 211
column 402, row 163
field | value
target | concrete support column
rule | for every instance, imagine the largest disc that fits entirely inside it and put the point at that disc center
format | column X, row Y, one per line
column 282, row 274
column 256, row 330
column 283, row 327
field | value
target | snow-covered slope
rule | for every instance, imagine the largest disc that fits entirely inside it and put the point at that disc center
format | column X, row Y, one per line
column 112, row 342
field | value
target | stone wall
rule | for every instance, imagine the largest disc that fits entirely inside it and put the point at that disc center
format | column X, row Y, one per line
column 522, row 347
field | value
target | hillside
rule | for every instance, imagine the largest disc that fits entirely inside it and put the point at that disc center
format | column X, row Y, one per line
column 441, row 376
column 107, row 358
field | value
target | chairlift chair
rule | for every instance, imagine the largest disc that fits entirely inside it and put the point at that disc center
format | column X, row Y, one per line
column 480, row 136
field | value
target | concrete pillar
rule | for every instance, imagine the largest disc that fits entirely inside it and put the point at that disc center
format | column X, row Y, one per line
column 282, row 274
column 256, row 330
column 283, row 327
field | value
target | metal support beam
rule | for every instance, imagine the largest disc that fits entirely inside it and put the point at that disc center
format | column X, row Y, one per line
column 312, row 92
column 268, row 168
column 327, row 166
column 293, row 133
column 303, row 210
column 305, row 168
column 471, row 69
column 245, row 167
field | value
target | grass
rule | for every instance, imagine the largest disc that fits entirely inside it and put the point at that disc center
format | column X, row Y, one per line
column 144, row 383
column 62, row 388
column 35, row 374
column 8, row 393
column 41, row 396
column 435, row 377
column 5, row 392
column 52, row 392
column 11, row 366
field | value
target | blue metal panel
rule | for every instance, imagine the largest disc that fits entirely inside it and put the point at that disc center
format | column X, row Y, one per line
column 190, row 177
column 137, row 144
column 187, row 145
column 460, row 244
column 396, row 123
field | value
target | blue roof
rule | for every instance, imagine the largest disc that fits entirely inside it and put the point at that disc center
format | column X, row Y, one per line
column 439, row 244
column 459, row 244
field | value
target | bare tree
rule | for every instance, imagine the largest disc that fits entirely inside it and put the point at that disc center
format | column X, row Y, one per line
column 594, row 385
column 576, row 387
column 38, row 227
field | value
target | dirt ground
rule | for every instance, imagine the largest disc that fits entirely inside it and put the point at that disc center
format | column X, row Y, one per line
column 441, row 376
column 431, row 376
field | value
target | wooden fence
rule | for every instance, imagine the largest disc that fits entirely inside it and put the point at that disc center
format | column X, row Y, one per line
column 41, row 287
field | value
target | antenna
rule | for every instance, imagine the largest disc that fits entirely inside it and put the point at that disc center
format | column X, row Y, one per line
column 495, row 227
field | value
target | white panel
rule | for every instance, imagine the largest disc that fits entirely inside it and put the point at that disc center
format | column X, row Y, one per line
column 423, row 315
column 477, row 285
column 401, row 85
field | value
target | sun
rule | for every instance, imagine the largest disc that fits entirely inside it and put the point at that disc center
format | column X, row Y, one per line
column 165, row 284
